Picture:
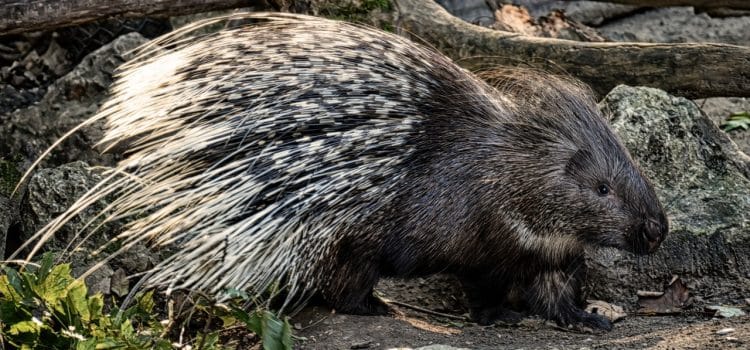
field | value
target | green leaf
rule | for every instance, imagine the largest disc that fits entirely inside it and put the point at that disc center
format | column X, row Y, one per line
column 95, row 306
column 738, row 120
column 126, row 329
column 207, row 341
column 10, row 285
column 24, row 327
column 55, row 286
column 108, row 344
column 237, row 293
column 252, row 322
column 273, row 332
column 146, row 302
column 45, row 267
column 88, row 344
column 277, row 334
column 77, row 299
column 11, row 312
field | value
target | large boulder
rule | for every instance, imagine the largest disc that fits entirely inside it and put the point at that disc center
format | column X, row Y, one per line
column 703, row 180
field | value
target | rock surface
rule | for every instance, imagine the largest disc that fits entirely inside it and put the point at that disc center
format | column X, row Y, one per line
column 703, row 180
column 6, row 219
column 26, row 133
column 719, row 108
column 678, row 24
column 50, row 193
column 587, row 12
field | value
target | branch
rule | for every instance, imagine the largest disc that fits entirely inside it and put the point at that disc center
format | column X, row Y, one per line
column 705, row 4
column 18, row 16
column 690, row 70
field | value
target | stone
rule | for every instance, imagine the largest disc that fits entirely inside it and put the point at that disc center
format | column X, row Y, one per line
column 703, row 181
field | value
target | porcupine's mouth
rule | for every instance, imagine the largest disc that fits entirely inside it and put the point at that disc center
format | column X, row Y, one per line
column 637, row 243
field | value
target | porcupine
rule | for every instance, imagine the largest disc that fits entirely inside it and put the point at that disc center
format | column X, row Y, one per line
column 323, row 156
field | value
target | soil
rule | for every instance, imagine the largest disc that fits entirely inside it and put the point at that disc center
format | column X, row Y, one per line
column 320, row 328
column 415, row 330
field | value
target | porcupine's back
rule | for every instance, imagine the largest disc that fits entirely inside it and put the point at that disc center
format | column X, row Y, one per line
column 254, row 149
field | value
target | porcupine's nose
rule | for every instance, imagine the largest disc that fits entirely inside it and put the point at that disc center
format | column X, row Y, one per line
column 654, row 230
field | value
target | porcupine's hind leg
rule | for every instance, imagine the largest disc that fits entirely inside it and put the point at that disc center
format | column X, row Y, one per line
column 488, row 300
column 352, row 276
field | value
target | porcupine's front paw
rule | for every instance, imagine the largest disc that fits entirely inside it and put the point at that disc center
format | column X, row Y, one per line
column 579, row 317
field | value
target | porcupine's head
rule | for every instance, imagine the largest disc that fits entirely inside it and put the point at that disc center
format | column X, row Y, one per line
column 570, row 179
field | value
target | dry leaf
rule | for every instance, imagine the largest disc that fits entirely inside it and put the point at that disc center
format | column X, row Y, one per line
column 671, row 301
column 611, row 311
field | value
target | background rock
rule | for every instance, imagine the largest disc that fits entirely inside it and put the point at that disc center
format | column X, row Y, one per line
column 73, row 98
column 678, row 24
column 472, row 11
column 51, row 192
column 6, row 218
column 719, row 108
column 702, row 179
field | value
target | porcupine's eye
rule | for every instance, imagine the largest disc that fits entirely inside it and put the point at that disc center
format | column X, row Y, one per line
column 603, row 190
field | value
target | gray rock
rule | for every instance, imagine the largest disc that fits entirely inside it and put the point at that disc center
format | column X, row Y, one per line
column 678, row 24
column 73, row 98
column 587, row 12
column 6, row 218
column 472, row 11
column 99, row 281
column 719, row 109
column 51, row 192
column 702, row 178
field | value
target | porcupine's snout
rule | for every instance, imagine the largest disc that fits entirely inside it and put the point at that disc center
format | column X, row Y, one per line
column 653, row 231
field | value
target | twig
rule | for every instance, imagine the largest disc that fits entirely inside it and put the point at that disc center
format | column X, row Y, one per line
column 426, row 311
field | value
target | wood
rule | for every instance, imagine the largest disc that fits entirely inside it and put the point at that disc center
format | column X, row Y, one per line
column 705, row 4
column 689, row 70
column 18, row 16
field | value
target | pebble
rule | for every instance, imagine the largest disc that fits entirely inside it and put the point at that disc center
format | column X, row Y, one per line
column 362, row 345
column 725, row 331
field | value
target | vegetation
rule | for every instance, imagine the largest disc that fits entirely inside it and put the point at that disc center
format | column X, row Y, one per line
column 739, row 120
column 45, row 307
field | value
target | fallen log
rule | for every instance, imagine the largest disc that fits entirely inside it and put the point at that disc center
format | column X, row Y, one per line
column 689, row 70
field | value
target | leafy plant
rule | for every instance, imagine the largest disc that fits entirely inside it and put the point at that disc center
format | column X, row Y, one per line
column 44, row 306
column 275, row 334
column 739, row 120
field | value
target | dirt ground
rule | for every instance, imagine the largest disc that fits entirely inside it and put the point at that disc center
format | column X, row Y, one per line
column 319, row 328
column 323, row 330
